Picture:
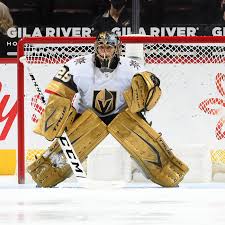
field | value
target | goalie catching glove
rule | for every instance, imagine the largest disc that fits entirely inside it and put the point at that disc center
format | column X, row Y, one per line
column 58, row 116
column 144, row 92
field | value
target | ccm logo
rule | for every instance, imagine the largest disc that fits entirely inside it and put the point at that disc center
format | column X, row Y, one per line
column 73, row 159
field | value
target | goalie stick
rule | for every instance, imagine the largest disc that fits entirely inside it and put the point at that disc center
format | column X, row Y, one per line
column 64, row 141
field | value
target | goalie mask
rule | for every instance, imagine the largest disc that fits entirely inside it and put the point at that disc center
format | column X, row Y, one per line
column 107, row 51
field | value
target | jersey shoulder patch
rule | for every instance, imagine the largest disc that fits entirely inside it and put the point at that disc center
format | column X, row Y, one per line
column 80, row 60
column 135, row 64
column 130, row 63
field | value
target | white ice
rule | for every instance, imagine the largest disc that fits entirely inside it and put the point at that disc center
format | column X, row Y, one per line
column 119, row 204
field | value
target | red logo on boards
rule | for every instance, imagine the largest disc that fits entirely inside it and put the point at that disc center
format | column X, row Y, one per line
column 216, row 106
column 8, row 113
column 6, row 116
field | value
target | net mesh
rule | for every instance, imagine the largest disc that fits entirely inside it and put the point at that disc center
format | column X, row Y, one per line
column 218, row 156
column 53, row 53
column 153, row 53
column 32, row 154
column 184, row 53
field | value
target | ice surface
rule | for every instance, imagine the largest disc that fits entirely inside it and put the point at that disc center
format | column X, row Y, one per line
column 113, row 203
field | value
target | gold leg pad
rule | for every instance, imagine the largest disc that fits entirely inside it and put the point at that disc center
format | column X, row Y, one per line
column 148, row 149
column 88, row 131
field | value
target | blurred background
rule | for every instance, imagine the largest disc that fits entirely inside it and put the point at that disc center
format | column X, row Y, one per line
column 149, row 17
column 83, row 12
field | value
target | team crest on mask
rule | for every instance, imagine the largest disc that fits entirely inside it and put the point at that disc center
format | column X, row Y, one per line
column 104, row 101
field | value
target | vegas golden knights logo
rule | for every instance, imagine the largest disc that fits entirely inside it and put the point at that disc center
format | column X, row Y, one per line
column 104, row 101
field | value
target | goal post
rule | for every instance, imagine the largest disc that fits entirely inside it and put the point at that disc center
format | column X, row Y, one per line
column 190, row 113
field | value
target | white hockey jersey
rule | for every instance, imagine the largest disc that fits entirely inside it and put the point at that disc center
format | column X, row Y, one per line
column 103, row 92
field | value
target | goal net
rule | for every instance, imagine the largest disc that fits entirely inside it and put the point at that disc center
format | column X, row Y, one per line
column 190, row 114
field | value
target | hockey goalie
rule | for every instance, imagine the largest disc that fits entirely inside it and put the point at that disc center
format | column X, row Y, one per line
column 113, row 93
